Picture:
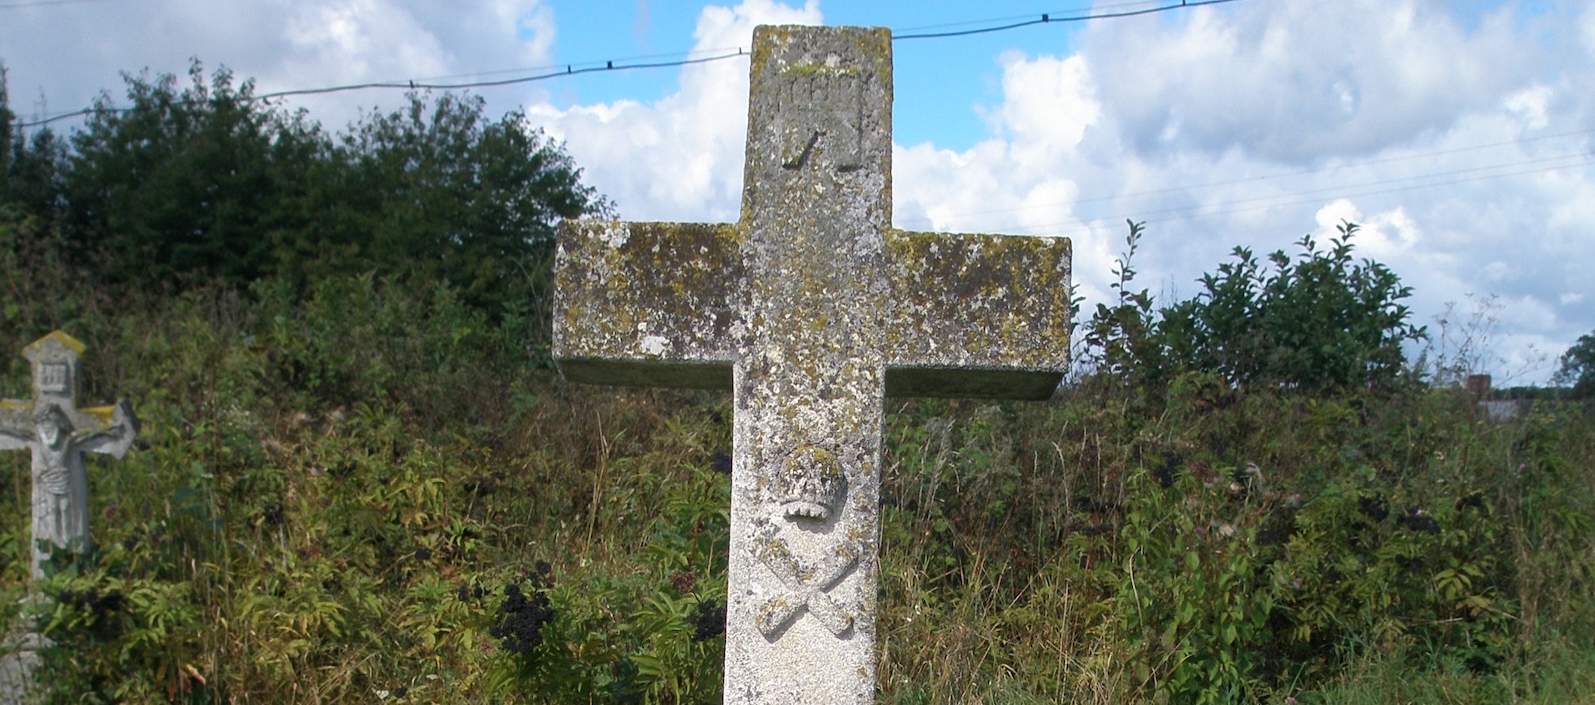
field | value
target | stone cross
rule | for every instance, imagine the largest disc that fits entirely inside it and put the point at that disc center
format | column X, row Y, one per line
column 811, row 309
column 59, row 434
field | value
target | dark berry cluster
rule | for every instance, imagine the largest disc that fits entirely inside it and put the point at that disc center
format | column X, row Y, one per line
column 343, row 469
column 1095, row 529
column 1086, row 503
column 468, row 592
column 423, row 553
column 720, row 462
column 93, row 601
column 1473, row 499
column 1410, row 562
column 1416, row 520
column 1165, row 471
column 1329, row 573
column 1269, row 536
column 272, row 515
column 521, row 627
column 1373, row 507
column 541, row 575
column 480, row 487
column 138, row 536
column 708, row 620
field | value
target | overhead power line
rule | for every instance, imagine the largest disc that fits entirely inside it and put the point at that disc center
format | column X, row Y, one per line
column 1049, row 19
column 548, row 73
column 42, row 3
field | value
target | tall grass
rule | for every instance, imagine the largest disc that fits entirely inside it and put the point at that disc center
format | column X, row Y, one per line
column 334, row 488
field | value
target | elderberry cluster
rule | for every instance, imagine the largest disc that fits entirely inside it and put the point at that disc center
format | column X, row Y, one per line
column 708, row 620
column 272, row 514
column 720, row 462
column 1417, row 520
column 1410, row 562
column 93, row 601
column 1373, row 507
column 468, row 592
column 521, row 627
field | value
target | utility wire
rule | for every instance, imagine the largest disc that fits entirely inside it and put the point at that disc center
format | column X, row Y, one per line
column 41, row 3
column 570, row 70
column 1048, row 19
column 631, row 64
column 1011, row 18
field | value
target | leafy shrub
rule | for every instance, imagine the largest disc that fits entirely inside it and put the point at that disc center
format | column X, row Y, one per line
column 1578, row 367
column 1321, row 323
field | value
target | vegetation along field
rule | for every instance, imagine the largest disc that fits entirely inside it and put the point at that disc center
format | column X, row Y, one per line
column 361, row 479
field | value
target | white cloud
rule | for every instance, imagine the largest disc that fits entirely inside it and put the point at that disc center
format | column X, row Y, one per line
column 1456, row 145
column 1294, row 82
column 283, row 44
column 678, row 158
column 1251, row 125
column 1530, row 105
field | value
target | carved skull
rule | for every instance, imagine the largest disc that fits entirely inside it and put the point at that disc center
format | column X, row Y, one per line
column 810, row 484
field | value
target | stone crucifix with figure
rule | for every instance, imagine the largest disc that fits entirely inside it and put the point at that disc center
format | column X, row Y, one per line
column 811, row 309
column 59, row 434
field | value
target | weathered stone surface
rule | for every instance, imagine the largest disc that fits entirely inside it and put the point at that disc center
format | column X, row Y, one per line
column 59, row 434
column 648, row 303
column 811, row 309
column 19, row 660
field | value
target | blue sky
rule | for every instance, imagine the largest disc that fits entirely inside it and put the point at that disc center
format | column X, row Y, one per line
column 1459, row 134
column 938, row 83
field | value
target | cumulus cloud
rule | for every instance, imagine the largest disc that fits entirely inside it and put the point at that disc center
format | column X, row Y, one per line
column 1452, row 145
column 283, row 44
column 1295, row 82
column 681, row 157
column 1462, row 146
column 1462, row 152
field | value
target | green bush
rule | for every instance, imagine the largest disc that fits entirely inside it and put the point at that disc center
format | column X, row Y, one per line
column 1322, row 323
column 1577, row 368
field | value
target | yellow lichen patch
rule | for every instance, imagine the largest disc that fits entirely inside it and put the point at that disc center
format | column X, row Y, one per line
column 59, row 337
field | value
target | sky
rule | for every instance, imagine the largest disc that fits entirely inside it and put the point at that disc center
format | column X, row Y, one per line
column 1458, row 133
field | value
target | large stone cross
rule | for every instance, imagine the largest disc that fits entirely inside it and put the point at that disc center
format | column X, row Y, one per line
column 812, row 309
column 59, row 434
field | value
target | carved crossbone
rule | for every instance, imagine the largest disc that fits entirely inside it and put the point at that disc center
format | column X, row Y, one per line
column 806, row 588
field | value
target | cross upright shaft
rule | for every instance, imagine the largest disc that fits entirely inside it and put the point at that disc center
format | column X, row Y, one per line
column 812, row 309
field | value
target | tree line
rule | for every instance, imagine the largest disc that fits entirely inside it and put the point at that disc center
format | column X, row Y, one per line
column 201, row 182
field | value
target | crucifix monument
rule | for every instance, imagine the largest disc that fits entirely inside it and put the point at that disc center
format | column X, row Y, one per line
column 59, row 434
column 811, row 309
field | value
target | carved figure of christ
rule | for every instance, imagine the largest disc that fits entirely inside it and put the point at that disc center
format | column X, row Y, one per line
column 811, row 309
column 59, row 434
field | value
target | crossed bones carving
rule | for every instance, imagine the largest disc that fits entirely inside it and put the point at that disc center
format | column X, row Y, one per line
column 806, row 586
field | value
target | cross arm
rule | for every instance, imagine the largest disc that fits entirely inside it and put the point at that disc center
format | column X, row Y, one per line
column 647, row 303
column 977, row 315
column 110, row 429
column 16, row 424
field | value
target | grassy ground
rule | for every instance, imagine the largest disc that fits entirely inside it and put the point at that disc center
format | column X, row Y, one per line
column 331, row 496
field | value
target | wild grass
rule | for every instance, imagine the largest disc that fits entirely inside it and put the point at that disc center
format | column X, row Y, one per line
column 332, row 490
